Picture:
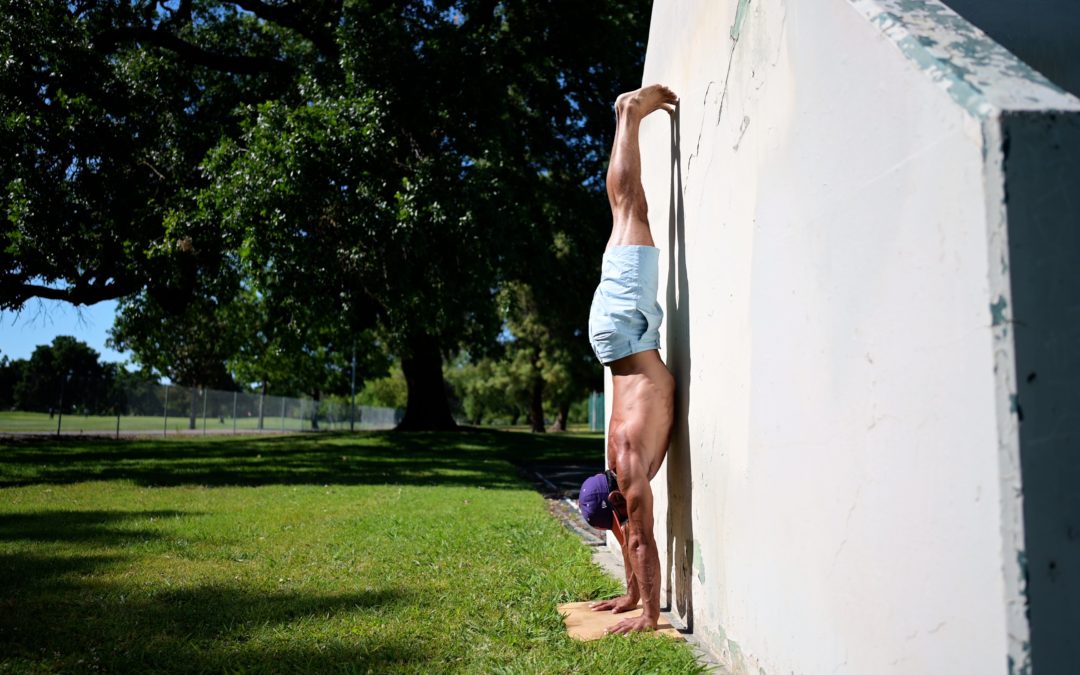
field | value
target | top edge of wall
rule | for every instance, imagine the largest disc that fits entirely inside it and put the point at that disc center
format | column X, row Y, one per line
column 977, row 72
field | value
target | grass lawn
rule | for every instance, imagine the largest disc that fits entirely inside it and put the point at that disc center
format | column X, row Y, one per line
column 379, row 553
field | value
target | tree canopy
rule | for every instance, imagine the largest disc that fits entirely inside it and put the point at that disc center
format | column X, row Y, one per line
column 388, row 167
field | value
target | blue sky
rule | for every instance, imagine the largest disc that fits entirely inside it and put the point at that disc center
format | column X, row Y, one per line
column 40, row 321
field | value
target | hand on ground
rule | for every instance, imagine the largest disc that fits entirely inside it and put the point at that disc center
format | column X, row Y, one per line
column 623, row 603
column 638, row 624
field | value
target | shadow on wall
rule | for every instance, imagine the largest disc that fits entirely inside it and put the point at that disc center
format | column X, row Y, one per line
column 680, row 530
column 1042, row 162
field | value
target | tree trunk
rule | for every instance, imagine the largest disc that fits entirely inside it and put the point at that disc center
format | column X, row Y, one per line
column 427, row 408
column 536, row 405
column 560, row 419
column 191, row 414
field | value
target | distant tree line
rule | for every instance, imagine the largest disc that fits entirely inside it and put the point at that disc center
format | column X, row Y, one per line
column 67, row 374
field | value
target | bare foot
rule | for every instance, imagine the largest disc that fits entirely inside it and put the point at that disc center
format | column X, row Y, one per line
column 638, row 104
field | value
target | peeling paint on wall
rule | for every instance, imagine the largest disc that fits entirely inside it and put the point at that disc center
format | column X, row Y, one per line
column 740, row 16
column 1014, row 406
column 997, row 311
column 1040, row 32
column 978, row 73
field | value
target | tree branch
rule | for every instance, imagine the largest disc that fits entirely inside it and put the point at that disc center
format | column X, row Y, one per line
column 241, row 65
column 14, row 293
column 318, row 27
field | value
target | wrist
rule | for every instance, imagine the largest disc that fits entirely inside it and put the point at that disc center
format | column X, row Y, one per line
column 650, row 610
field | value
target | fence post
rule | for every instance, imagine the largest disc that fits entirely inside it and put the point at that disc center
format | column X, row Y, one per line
column 204, row 397
column 165, row 428
column 234, row 413
column 262, row 400
column 282, row 413
column 352, row 396
column 60, row 416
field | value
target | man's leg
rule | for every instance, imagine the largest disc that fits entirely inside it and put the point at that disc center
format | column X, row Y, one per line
column 629, row 210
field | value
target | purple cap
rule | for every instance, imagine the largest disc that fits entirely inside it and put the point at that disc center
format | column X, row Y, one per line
column 593, row 501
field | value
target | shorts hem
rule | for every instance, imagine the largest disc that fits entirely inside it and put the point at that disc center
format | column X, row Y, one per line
column 629, row 350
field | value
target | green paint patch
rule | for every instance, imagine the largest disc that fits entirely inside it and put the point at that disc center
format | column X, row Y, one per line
column 1014, row 406
column 952, row 74
column 740, row 17
column 699, row 565
column 997, row 311
column 956, row 55
column 738, row 661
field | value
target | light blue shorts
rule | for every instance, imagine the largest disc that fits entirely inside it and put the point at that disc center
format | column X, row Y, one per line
column 625, row 317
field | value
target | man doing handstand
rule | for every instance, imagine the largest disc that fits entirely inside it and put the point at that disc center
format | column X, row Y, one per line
column 624, row 325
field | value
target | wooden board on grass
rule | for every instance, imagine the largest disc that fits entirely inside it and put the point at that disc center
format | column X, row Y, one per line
column 584, row 624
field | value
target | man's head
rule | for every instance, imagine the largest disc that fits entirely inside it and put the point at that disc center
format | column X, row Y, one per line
column 600, row 500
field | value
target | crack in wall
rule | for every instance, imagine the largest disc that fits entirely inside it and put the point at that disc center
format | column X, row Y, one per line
column 736, row 30
column 742, row 132
column 701, row 129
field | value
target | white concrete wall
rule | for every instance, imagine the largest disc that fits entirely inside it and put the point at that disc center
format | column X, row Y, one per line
column 842, row 490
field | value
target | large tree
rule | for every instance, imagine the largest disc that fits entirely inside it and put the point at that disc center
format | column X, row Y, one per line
column 404, row 158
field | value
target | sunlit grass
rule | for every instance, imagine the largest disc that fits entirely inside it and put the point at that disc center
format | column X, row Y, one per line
column 380, row 553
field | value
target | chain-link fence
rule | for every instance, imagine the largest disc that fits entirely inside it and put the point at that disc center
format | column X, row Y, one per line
column 147, row 408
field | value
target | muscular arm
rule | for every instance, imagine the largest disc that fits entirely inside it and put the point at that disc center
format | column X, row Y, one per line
column 640, row 544
column 629, row 601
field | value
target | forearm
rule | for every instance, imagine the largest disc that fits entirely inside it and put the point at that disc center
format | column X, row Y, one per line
column 646, row 564
column 632, row 587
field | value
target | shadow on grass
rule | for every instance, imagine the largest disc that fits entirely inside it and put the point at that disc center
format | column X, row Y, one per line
column 69, row 610
column 78, row 526
column 53, row 621
column 477, row 458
